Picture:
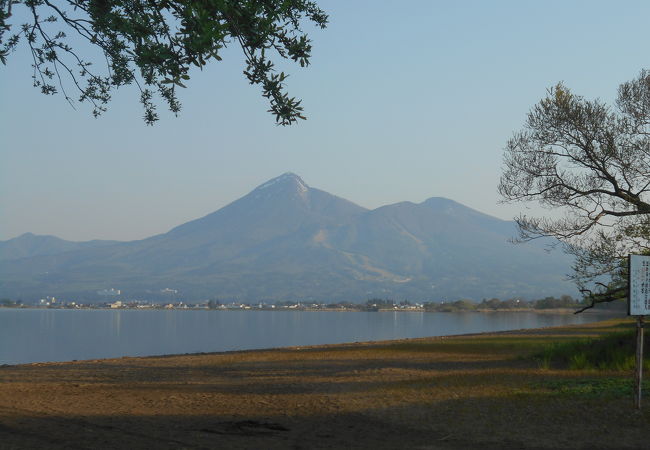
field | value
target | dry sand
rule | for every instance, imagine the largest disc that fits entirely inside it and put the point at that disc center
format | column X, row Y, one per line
column 459, row 392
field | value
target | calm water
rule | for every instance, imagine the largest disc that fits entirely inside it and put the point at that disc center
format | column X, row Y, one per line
column 37, row 335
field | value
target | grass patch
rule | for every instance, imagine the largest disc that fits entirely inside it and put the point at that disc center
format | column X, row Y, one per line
column 615, row 351
column 596, row 387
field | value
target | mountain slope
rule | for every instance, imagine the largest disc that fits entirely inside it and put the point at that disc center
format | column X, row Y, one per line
column 29, row 245
column 286, row 240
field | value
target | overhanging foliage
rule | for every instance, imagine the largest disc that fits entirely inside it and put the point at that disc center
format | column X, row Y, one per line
column 154, row 44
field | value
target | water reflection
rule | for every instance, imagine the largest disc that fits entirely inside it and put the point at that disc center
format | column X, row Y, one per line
column 32, row 335
column 116, row 322
column 47, row 319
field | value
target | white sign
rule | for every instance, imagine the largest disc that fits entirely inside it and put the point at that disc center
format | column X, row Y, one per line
column 639, row 285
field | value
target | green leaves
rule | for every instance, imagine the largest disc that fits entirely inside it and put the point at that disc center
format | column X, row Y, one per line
column 154, row 43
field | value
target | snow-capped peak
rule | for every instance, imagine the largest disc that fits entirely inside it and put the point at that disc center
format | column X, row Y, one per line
column 285, row 177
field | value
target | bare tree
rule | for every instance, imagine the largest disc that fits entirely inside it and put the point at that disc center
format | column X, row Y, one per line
column 592, row 163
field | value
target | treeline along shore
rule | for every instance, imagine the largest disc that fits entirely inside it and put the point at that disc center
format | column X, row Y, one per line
column 549, row 303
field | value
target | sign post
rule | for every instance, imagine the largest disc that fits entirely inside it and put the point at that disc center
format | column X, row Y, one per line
column 639, row 306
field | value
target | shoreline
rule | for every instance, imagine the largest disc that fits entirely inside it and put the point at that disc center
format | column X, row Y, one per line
column 448, row 392
column 201, row 340
column 307, row 309
column 341, row 344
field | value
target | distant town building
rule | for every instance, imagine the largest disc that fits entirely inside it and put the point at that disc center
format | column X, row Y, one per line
column 48, row 301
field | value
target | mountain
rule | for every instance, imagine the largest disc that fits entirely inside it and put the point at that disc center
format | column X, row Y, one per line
column 286, row 240
column 29, row 244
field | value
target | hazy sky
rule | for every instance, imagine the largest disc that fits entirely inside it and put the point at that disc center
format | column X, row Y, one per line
column 406, row 100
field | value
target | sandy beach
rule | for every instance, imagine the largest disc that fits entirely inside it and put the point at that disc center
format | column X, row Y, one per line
column 451, row 392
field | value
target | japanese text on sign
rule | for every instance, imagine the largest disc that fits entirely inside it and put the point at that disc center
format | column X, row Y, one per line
column 639, row 285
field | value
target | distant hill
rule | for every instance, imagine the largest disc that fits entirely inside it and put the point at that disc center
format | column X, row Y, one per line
column 288, row 241
column 29, row 244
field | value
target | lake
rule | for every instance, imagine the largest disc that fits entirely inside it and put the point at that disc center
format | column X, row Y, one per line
column 39, row 335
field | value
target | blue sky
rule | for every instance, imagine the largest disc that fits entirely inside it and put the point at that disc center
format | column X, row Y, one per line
column 405, row 100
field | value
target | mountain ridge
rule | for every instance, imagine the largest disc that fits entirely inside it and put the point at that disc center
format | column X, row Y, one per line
column 287, row 240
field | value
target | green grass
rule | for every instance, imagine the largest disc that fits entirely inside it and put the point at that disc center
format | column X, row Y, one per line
column 596, row 387
column 615, row 351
